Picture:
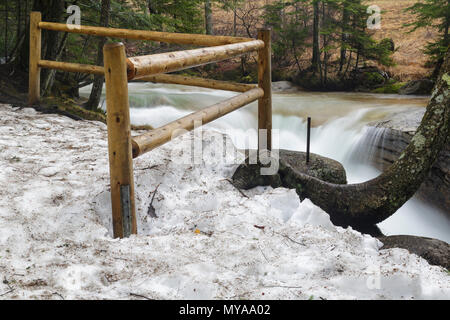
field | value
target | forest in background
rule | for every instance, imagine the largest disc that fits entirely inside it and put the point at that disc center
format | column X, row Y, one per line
column 318, row 44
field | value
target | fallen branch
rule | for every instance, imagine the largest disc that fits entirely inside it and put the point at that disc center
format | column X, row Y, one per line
column 151, row 209
column 148, row 168
column 240, row 191
column 262, row 252
column 280, row 286
column 289, row 238
column 4, row 294
column 59, row 295
column 139, row 296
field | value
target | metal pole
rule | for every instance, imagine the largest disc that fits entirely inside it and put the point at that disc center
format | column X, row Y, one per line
column 308, row 141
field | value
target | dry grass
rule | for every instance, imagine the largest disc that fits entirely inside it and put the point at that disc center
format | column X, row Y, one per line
column 409, row 57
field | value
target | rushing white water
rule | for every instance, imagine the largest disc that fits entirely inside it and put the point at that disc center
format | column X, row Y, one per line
column 339, row 128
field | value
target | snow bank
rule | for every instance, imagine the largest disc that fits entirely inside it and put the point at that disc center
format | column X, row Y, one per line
column 208, row 242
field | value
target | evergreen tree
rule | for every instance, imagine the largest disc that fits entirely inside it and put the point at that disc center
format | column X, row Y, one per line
column 436, row 14
column 232, row 5
column 289, row 24
column 333, row 28
column 97, row 87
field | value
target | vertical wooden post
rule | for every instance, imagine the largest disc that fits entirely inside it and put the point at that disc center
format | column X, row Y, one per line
column 34, row 80
column 119, row 141
column 265, row 83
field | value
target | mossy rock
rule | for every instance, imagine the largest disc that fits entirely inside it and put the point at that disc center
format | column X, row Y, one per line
column 247, row 79
column 392, row 87
column 372, row 79
column 248, row 176
column 436, row 252
column 320, row 167
column 417, row 87
column 70, row 108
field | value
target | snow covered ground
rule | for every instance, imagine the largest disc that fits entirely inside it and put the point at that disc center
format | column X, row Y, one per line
column 208, row 242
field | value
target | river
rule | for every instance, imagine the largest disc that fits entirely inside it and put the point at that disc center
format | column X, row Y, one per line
column 339, row 126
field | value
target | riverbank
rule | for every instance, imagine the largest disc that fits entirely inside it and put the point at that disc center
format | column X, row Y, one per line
column 54, row 222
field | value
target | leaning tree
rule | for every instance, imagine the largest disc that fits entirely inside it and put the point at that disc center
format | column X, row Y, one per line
column 369, row 203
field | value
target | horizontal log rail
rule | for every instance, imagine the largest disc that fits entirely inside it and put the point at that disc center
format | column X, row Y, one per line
column 167, row 37
column 155, row 138
column 71, row 67
column 180, row 60
column 198, row 82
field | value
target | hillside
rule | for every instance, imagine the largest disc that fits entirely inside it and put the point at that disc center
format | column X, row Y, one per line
column 409, row 58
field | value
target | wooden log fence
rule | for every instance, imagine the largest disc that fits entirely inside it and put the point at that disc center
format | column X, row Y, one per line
column 71, row 67
column 181, row 60
column 199, row 82
column 155, row 138
column 119, row 70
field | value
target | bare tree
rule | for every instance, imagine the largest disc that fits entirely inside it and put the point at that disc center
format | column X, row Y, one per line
column 316, row 37
column 97, row 87
column 208, row 17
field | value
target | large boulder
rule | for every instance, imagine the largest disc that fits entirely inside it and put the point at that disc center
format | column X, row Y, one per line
column 417, row 87
column 390, row 137
column 285, row 87
column 249, row 176
column 368, row 78
column 320, row 167
column 436, row 252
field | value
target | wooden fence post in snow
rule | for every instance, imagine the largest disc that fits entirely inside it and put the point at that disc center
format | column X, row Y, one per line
column 265, row 83
column 34, row 77
column 119, row 141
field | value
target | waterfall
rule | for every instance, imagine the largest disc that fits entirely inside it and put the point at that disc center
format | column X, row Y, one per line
column 380, row 147
column 371, row 148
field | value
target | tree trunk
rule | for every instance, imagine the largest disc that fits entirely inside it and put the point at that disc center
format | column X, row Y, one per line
column 151, row 7
column 23, row 47
column 19, row 28
column 234, row 21
column 325, row 45
column 19, row 19
column 316, row 38
column 374, row 201
column 6, row 32
column 52, row 43
column 208, row 17
column 344, row 23
column 97, row 87
column 440, row 61
column 52, row 11
column 446, row 32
